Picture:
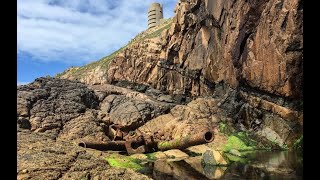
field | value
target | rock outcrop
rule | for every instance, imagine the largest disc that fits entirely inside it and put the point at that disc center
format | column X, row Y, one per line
column 54, row 114
column 243, row 43
column 253, row 48
column 42, row 157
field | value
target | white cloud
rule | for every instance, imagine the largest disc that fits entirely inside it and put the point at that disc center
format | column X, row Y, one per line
column 22, row 83
column 80, row 30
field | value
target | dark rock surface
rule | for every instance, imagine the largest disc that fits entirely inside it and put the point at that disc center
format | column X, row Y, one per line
column 49, row 105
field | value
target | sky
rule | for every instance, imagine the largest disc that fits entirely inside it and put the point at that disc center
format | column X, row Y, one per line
column 53, row 35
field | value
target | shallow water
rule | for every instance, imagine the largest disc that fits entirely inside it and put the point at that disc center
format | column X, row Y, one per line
column 258, row 165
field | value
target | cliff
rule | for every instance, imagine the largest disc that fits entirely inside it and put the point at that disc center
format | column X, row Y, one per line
column 248, row 54
column 233, row 66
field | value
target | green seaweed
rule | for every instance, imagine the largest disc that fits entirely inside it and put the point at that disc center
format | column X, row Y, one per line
column 129, row 162
column 226, row 129
column 222, row 127
column 241, row 142
column 298, row 145
column 169, row 145
column 124, row 162
column 151, row 156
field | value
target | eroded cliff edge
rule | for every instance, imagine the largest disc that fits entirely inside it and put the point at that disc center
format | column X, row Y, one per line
column 247, row 54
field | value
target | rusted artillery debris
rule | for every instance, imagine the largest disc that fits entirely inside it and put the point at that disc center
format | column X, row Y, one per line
column 185, row 142
column 110, row 145
column 133, row 143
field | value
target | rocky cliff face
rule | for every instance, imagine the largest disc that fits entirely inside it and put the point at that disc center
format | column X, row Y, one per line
column 253, row 49
column 242, row 43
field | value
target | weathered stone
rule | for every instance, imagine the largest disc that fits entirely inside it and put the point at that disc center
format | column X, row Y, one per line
column 184, row 119
column 212, row 157
column 200, row 149
column 175, row 154
column 160, row 155
column 52, row 159
column 49, row 103
column 139, row 156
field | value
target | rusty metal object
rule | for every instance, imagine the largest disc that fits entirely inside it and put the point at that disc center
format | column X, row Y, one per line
column 140, row 144
column 185, row 142
column 110, row 145
column 135, row 147
column 115, row 132
column 137, row 142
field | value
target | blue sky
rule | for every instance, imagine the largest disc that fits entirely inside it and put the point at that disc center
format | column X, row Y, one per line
column 53, row 35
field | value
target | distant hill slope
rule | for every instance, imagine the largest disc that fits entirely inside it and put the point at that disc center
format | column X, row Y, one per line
column 95, row 72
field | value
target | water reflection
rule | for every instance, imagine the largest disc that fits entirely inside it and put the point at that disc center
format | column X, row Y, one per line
column 260, row 165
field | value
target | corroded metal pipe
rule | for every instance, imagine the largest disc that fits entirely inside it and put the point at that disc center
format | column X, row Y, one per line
column 185, row 142
column 104, row 146
column 135, row 147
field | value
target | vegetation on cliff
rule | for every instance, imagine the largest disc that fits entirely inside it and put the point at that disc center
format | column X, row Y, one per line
column 78, row 72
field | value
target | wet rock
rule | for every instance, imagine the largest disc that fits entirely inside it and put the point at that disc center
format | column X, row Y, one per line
column 210, row 171
column 214, row 172
column 212, row 157
column 164, row 169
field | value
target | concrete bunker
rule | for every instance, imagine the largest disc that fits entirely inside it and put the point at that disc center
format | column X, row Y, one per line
column 155, row 14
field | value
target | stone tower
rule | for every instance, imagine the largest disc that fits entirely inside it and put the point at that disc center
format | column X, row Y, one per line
column 155, row 13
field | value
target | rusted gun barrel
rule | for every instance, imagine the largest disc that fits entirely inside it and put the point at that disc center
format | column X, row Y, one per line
column 103, row 146
column 185, row 142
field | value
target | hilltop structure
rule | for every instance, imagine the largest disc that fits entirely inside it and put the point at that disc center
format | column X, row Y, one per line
column 155, row 14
